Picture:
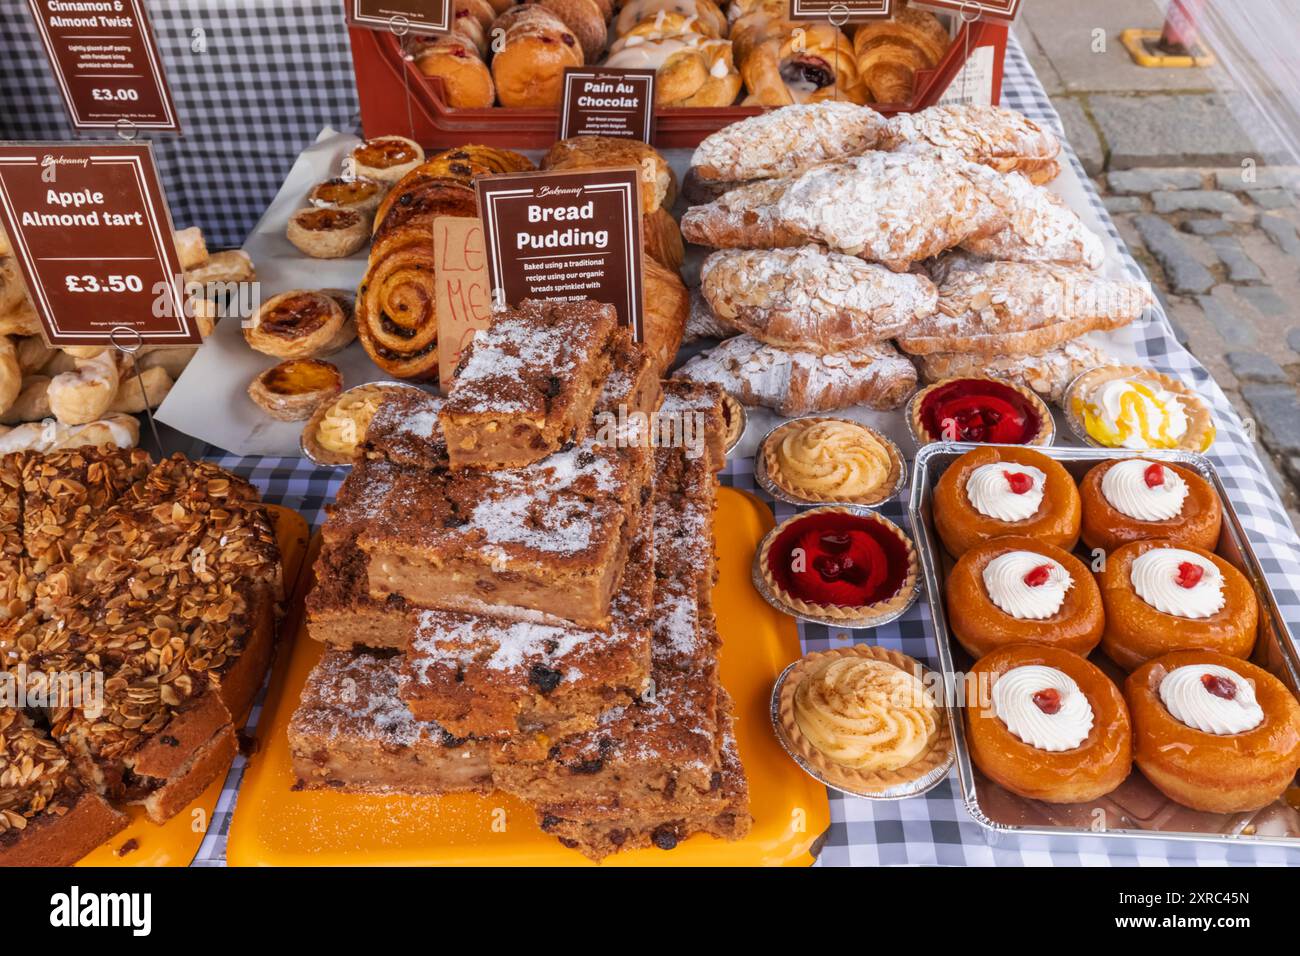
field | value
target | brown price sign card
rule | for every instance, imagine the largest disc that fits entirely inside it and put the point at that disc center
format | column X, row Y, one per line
column 840, row 11
column 1005, row 10
column 566, row 236
column 92, row 233
column 462, row 293
column 399, row 16
column 607, row 101
column 106, row 63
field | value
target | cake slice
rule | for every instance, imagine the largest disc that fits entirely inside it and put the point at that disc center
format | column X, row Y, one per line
column 692, row 417
column 481, row 676
column 352, row 733
column 526, row 386
column 48, row 817
column 597, row 830
column 405, row 430
column 546, row 542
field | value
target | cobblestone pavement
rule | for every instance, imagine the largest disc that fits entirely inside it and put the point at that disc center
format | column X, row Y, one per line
column 1222, row 247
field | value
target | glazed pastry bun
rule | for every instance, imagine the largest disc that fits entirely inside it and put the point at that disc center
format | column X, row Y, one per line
column 1160, row 598
column 1048, row 725
column 1213, row 732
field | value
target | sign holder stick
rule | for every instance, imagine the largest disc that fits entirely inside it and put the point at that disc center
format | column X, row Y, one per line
column 130, row 350
column 838, row 15
column 400, row 27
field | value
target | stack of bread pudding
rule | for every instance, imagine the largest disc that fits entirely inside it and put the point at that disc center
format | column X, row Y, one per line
column 514, row 590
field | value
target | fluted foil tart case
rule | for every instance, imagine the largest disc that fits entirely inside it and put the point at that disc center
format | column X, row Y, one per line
column 1136, row 810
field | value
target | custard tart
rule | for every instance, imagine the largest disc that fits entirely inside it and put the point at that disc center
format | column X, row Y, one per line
column 292, row 390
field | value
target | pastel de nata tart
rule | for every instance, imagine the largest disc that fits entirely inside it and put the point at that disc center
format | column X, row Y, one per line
column 1213, row 732
column 824, row 460
column 325, row 233
column 1127, row 406
column 361, row 195
column 839, row 565
column 1160, row 598
column 1047, row 724
column 982, row 410
column 336, row 428
column 385, row 159
column 864, row 720
column 1017, row 590
column 999, row 490
column 1138, row 499
column 292, row 390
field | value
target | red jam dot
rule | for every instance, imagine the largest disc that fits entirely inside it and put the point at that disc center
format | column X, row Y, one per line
column 1048, row 701
column 1038, row 576
column 1019, row 481
column 1189, row 575
column 1219, row 686
column 1154, row 476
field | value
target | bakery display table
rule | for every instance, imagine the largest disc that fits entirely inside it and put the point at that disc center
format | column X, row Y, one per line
column 935, row 828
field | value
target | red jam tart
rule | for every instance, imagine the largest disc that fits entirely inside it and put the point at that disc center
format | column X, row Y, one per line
column 981, row 410
column 839, row 564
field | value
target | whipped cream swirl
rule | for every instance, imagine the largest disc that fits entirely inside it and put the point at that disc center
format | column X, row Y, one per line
column 1178, row 582
column 1138, row 415
column 1144, row 490
column 1006, row 491
column 1043, row 706
column 1211, row 699
column 1028, row 586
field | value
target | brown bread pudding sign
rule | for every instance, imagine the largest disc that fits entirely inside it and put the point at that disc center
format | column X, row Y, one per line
column 607, row 101
column 399, row 16
column 565, row 236
column 106, row 63
column 92, row 233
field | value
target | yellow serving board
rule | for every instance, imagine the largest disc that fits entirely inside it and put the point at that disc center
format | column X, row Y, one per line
column 175, row 842
column 276, row 825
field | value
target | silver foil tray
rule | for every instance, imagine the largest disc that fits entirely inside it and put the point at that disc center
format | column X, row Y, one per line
column 1137, row 810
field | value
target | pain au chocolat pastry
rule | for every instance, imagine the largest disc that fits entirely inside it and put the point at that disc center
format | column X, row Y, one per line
column 993, row 136
column 797, row 383
column 658, row 181
column 1012, row 308
column 535, row 49
column 891, row 51
column 810, row 299
column 1212, row 732
column 302, row 324
column 1135, row 499
column 292, row 390
column 1016, row 590
column 1048, row 725
column 787, row 141
column 1161, row 598
column 385, row 159
column 999, row 490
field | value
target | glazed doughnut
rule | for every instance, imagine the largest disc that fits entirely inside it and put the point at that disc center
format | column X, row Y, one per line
column 301, row 324
column 671, row 16
column 586, row 19
column 1136, row 499
column 32, row 403
column 1016, row 590
column 693, row 70
column 1161, row 597
column 11, row 374
column 13, row 290
column 997, row 490
column 1212, row 732
column 85, row 394
column 121, row 431
column 1058, row 731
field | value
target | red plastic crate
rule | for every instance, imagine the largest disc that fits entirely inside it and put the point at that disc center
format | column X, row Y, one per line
column 377, row 59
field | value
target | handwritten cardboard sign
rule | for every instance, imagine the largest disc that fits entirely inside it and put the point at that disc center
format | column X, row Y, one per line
column 840, row 11
column 462, row 294
column 399, row 16
column 1005, row 10
column 106, row 64
column 92, row 233
column 566, row 236
column 608, row 101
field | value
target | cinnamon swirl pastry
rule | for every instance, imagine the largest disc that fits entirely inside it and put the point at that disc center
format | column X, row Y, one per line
column 301, row 324
column 396, row 318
